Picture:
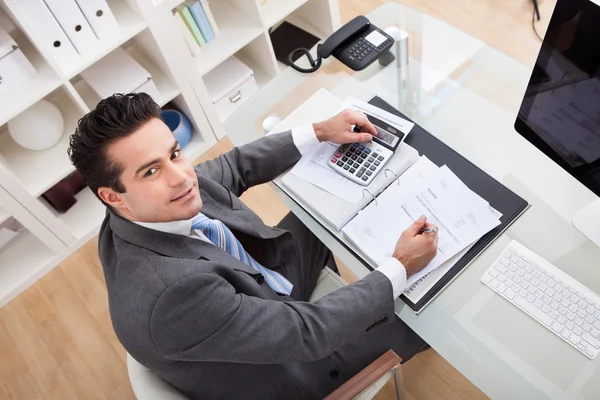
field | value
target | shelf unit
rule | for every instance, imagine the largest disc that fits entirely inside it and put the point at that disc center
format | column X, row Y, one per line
column 148, row 32
column 25, row 175
column 244, row 32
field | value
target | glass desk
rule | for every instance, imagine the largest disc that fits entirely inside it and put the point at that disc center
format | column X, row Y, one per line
column 467, row 94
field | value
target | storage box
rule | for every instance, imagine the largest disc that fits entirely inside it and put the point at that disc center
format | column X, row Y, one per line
column 15, row 68
column 119, row 72
column 230, row 85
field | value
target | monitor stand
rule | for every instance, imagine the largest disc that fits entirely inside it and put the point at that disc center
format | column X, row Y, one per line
column 587, row 220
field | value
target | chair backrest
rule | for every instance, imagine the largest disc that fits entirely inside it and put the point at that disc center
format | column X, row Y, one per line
column 147, row 385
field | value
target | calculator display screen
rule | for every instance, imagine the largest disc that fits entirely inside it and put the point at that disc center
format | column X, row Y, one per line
column 386, row 137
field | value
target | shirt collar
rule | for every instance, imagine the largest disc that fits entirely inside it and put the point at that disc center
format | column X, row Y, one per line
column 183, row 227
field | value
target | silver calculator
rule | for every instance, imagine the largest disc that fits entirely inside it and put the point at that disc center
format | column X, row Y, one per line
column 361, row 162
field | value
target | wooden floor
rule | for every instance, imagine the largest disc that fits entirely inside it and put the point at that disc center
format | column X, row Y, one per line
column 56, row 339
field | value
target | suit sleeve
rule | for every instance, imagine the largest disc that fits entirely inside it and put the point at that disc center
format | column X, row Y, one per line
column 252, row 164
column 214, row 323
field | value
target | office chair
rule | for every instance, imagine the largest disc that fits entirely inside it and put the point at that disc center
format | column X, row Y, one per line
column 363, row 386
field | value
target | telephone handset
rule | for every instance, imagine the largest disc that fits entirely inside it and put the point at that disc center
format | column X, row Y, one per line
column 357, row 44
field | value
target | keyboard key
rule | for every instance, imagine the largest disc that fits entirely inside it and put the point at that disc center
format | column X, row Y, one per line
column 569, row 325
column 565, row 333
column 581, row 314
column 556, row 327
column 502, row 287
column 590, row 352
column 530, row 298
column 538, row 303
column 562, row 310
column 554, row 305
column 578, row 331
column 586, row 327
column 578, row 321
column 510, row 294
column 597, row 324
column 523, row 293
column 589, row 319
column 574, row 339
column 595, row 332
column 590, row 309
column 553, row 314
column 561, row 320
column 582, row 304
column 502, row 278
column 591, row 340
column 570, row 316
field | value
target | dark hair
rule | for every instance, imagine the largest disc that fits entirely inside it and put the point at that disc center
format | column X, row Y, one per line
column 114, row 118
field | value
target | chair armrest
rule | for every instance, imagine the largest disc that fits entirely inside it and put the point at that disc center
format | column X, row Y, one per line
column 365, row 378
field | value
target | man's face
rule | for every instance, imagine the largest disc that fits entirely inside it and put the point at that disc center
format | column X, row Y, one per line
column 160, row 183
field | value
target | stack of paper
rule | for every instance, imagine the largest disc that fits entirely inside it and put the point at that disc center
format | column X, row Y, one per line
column 462, row 216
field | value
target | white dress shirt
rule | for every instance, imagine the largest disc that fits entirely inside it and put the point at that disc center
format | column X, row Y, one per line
column 305, row 139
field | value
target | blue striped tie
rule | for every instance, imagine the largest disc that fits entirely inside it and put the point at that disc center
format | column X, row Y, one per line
column 221, row 236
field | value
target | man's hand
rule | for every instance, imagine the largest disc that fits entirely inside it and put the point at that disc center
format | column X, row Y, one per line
column 338, row 129
column 415, row 250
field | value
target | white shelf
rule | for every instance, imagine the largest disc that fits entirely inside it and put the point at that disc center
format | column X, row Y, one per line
column 22, row 262
column 41, row 85
column 236, row 30
column 274, row 11
column 40, row 170
column 84, row 217
column 167, row 89
column 130, row 24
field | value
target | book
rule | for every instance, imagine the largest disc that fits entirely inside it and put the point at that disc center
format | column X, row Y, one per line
column 202, row 21
column 191, row 43
column 188, row 19
column 210, row 16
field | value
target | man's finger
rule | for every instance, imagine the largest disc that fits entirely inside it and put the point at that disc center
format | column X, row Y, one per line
column 413, row 230
column 360, row 119
column 358, row 137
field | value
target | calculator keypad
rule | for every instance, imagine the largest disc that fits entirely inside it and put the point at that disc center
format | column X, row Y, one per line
column 358, row 162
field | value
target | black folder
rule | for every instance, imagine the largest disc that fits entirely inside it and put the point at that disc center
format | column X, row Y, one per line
column 499, row 196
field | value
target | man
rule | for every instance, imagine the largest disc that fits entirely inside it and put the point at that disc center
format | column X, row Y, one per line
column 206, row 295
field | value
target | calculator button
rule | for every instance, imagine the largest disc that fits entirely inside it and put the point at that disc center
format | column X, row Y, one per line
column 372, row 168
column 367, row 165
column 380, row 158
column 377, row 163
column 346, row 167
column 360, row 160
column 355, row 144
column 354, row 157
column 361, row 147
column 360, row 172
column 334, row 160
column 344, row 158
column 340, row 163
column 363, row 155
column 371, row 159
column 367, row 150
column 364, row 178
column 369, row 173
column 338, row 154
column 356, row 165
column 352, row 170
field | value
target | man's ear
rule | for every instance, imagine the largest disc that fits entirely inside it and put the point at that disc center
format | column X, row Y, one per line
column 111, row 197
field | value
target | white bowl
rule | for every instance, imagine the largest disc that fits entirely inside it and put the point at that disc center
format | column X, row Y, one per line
column 37, row 128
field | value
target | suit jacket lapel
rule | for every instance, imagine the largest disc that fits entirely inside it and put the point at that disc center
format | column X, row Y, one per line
column 172, row 245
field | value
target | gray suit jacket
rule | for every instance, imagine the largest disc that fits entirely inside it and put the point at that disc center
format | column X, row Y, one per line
column 209, row 324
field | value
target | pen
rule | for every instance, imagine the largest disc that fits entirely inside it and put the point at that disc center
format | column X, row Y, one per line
column 423, row 230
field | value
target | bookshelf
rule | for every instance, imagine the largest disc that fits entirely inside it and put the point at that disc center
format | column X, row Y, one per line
column 147, row 31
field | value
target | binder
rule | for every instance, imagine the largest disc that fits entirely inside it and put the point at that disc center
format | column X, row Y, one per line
column 99, row 16
column 71, row 19
column 202, row 21
column 210, row 16
column 191, row 43
column 508, row 203
column 187, row 17
column 50, row 34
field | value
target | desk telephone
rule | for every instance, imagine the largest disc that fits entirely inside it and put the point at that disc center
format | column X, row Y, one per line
column 356, row 44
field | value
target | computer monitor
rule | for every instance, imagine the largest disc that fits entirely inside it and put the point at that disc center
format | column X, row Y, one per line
column 560, row 112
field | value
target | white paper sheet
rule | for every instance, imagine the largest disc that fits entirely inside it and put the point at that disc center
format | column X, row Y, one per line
column 461, row 215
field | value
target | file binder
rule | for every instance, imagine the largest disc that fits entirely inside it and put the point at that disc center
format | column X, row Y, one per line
column 50, row 34
column 71, row 19
column 202, row 21
column 99, row 16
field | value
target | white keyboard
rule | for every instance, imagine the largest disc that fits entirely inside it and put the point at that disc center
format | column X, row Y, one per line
column 560, row 303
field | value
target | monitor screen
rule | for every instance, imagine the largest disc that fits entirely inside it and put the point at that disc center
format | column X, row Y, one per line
column 560, row 112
